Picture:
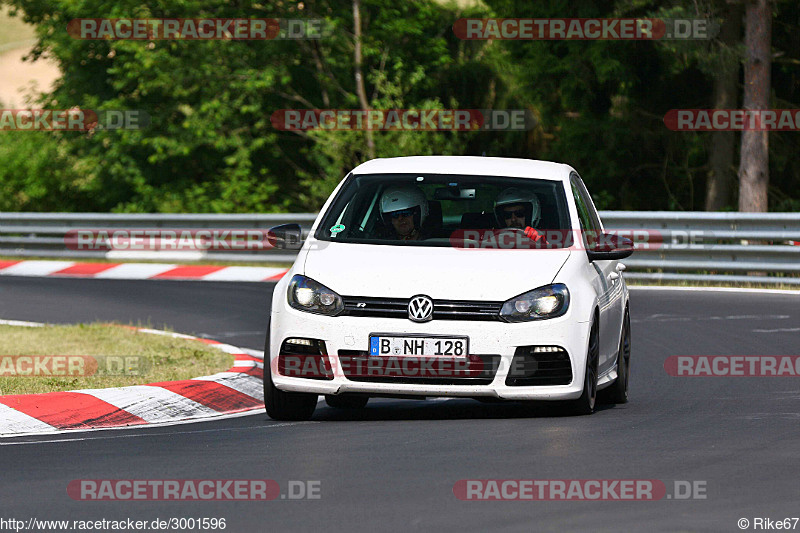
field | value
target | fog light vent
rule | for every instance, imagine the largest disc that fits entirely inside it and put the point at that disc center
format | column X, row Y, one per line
column 304, row 358
column 539, row 366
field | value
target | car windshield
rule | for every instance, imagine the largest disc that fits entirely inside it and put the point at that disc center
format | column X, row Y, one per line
column 443, row 209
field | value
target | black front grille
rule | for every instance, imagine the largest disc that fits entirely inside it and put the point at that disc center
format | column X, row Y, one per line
column 378, row 307
column 530, row 367
column 355, row 365
column 466, row 310
column 442, row 309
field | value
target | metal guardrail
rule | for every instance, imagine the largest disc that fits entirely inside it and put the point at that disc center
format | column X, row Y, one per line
column 734, row 247
column 701, row 246
column 43, row 234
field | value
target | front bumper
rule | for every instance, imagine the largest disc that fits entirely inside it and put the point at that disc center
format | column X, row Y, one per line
column 485, row 338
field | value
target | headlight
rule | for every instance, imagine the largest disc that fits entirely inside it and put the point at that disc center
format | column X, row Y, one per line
column 306, row 294
column 545, row 302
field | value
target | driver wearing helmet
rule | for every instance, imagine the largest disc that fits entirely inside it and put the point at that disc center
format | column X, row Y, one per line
column 519, row 209
column 404, row 209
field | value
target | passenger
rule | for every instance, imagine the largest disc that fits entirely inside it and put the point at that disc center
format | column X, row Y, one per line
column 404, row 209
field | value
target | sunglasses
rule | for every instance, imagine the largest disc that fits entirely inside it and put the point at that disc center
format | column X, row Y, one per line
column 519, row 213
column 406, row 213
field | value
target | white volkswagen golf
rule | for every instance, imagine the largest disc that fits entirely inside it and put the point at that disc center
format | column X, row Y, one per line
column 476, row 277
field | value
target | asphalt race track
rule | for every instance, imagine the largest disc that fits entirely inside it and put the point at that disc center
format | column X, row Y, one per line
column 392, row 467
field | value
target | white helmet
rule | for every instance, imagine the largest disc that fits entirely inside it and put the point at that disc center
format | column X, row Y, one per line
column 400, row 198
column 512, row 196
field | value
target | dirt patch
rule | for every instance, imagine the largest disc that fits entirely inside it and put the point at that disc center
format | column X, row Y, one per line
column 22, row 79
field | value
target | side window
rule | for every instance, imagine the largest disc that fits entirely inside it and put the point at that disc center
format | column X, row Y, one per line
column 590, row 223
column 583, row 212
column 588, row 203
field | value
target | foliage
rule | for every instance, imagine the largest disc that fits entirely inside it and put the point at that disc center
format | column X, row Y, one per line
column 210, row 146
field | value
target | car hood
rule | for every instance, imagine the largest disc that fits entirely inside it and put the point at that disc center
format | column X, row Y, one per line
column 441, row 273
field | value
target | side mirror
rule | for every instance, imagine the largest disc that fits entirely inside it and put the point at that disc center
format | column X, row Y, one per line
column 610, row 247
column 286, row 236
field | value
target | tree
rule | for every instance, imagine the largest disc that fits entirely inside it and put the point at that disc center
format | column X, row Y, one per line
column 211, row 147
column 722, row 153
column 754, row 162
column 359, row 75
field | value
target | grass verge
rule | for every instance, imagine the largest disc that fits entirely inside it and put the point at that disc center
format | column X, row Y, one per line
column 122, row 357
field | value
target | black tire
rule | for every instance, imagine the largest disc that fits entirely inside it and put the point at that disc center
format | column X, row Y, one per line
column 586, row 403
column 281, row 405
column 346, row 401
column 618, row 392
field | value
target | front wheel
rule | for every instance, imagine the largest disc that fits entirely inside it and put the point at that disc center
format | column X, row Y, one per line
column 282, row 405
column 618, row 392
column 586, row 403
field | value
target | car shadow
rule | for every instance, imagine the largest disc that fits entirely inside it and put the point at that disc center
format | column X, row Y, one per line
column 451, row 409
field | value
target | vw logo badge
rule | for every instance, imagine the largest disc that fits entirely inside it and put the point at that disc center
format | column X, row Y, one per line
column 420, row 309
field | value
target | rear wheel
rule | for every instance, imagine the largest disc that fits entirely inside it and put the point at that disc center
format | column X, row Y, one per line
column 346, row 401
column 618, row 392
column 586, row 403
column 282, row 405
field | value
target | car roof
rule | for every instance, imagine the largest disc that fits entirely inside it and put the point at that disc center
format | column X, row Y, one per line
column 467, row 165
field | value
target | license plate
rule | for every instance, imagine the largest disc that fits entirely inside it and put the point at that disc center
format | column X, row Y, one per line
column 384, row 346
